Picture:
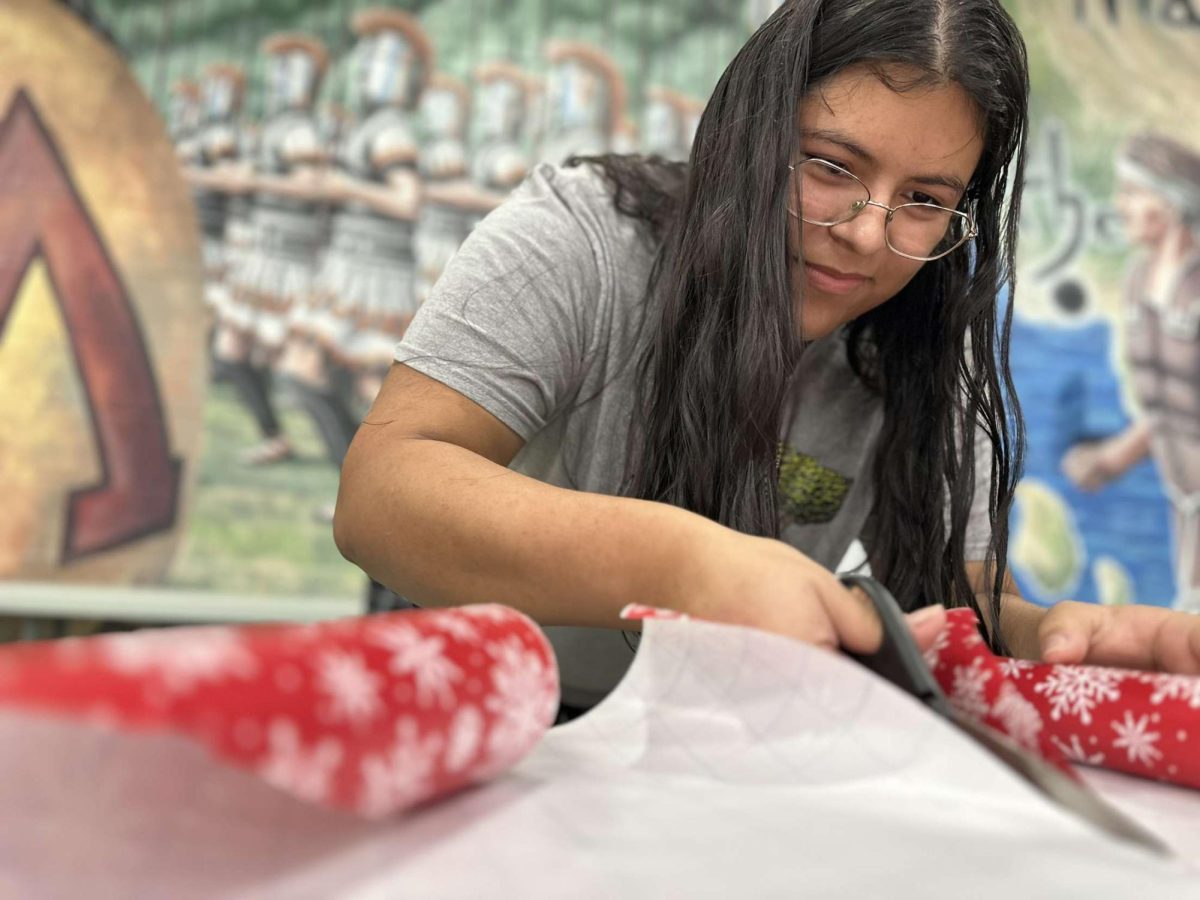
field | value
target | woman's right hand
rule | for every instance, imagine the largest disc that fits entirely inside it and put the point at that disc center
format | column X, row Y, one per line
column 768, row 584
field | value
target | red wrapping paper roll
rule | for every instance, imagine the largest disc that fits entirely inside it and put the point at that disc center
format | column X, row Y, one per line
column 1140, row 723
column 371, row 715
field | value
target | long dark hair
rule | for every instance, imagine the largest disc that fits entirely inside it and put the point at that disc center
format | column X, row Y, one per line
column 714, row 378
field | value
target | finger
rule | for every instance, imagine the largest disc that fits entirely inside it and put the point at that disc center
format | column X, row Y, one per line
column 1066, row 631
column 1138, row 637
column 1177, row 645
column 926, row 624
column 852, row 615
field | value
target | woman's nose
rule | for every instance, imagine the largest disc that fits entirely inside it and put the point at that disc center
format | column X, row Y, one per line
column 865, row 232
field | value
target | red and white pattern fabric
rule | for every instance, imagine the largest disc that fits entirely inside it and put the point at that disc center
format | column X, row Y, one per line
column 371, row 715
column 1141, row 723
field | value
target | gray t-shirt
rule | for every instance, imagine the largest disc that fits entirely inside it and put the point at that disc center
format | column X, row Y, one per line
column 539, row 319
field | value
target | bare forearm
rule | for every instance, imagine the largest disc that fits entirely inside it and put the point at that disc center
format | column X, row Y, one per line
column 227, row 180
column 1019, row 621
column 302, row 186
column 445, row 526
column 384, row 200
column 1131, row 446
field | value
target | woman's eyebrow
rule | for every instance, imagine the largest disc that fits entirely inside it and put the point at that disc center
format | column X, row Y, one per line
column 847, row 143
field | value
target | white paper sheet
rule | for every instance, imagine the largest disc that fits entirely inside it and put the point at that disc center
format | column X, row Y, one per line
column 728, row 763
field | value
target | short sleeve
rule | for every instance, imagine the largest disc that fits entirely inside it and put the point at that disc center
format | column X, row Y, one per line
column 510, row 322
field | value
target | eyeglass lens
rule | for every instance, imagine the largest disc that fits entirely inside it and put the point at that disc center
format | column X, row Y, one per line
column 825, row 195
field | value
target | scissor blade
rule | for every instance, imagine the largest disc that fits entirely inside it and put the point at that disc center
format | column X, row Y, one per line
column 899, row 660
column 1061, row 789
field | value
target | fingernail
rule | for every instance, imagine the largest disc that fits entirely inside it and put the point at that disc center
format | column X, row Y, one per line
column 1054, row 642
column 925, row 615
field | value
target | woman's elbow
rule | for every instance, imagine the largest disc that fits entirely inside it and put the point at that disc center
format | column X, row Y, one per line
column 348, row 512
column 344, row 530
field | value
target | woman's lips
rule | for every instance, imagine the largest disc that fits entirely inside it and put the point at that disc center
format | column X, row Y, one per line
column 831, row 280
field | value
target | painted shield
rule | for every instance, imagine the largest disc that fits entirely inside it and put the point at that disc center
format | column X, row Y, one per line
column 102, row 323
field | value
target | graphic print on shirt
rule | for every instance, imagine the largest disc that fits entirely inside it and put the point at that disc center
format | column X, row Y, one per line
column 811, row 493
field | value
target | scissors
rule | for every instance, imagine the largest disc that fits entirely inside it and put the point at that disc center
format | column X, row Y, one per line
column 901, row 662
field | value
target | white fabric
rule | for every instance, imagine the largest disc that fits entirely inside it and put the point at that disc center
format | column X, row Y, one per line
column 727, row 763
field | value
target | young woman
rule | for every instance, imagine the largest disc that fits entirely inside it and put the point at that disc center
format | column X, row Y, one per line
column 636, row 378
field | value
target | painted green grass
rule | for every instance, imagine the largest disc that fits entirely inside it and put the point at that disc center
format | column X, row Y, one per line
column 255, row 529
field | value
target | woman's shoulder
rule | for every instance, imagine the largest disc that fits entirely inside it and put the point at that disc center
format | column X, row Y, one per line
column 580, row 191
column 626, row 194
column 559, row 204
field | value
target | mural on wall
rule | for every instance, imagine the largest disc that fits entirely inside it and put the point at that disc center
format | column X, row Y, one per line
column 99, row 307
column 290, row 181
column 336, row 155
column 1108, row 318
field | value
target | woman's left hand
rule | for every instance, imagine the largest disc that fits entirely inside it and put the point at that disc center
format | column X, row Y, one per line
column 1130, row 637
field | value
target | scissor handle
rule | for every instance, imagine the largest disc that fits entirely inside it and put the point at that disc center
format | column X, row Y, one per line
column 898, row 658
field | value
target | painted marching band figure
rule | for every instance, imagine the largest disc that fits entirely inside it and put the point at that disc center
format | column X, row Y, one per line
column 183, row 116
column 288, row 230
column 503, row 96
column 454, row 205
column 626, row 136
column 444, row 114
column 342, row 339
column 585, row 102
column 669, row 123
column 234, row 177
column 334, row 122
column 1158, row 197
column 215, row 150
column 444, row 221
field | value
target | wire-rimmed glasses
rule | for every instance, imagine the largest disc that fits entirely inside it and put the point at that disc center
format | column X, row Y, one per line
column 831, row 196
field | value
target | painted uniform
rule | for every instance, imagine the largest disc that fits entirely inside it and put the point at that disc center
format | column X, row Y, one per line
column 364, row 294
column 500, row 161
column 1163, row 350
column 584, row 103
column 289, row 233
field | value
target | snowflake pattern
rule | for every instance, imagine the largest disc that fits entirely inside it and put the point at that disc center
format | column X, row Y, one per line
column 291, row 767
column 1015, row 668
column 183, row 658
column 466, row 737
column 1077, row 690
column 360, row 714
column 1020, row 718
column 1075, row 752
column 1135, row 738
column 423, row 658
column 969, row 692
column 523, row 700
column 1184, row 688
column 402, row 775
column 352, row 689
column 934, row 654
column 490, row 612
column 457, row 696
column 459, row 628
